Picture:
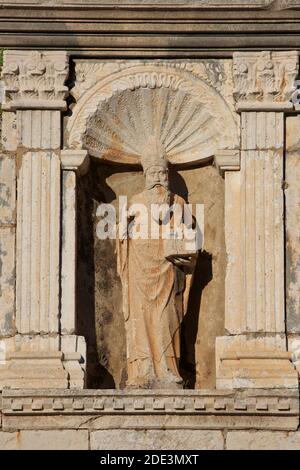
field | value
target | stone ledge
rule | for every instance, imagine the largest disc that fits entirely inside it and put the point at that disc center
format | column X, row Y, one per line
column 158, row 4
column 199, row 4
column 151, row 409
column 153, row 28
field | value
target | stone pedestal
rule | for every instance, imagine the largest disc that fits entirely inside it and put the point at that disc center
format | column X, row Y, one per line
column 254, row 352
column 32, row 369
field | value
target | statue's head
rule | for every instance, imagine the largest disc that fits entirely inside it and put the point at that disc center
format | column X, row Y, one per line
column 155, row 164
column 156, row 176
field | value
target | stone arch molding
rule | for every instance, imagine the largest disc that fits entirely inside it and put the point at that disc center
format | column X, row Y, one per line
column 113, row 119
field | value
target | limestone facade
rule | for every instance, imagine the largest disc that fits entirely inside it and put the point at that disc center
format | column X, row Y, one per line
column 73, row 127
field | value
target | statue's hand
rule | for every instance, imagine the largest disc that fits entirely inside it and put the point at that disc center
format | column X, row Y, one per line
column 182, row 262
column 178, row 260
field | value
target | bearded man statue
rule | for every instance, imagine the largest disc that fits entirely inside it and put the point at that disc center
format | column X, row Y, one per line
column 155, row 281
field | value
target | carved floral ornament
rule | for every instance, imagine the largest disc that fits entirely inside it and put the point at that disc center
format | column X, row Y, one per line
column 113, row 119
column 266, row 79
column 35, row 79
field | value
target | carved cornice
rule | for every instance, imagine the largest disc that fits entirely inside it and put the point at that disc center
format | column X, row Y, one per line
column 264, row 80
column 227, row 160
column 168, row 409
column 158, row 4
column 35, row 80
column 151, row 28
column 75, row 160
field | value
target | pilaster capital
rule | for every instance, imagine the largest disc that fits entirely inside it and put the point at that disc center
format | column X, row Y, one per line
column 227, row 160
column 75, row 160
column 264, row 81
column 35, row 79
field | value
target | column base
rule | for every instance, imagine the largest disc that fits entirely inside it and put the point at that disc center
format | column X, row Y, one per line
column 74, row 359
column 43, row 361
column 72, row 364
column 244, row 368
column 33, row 370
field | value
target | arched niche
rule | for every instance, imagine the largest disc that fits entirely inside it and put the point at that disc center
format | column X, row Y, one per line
column 111, row 121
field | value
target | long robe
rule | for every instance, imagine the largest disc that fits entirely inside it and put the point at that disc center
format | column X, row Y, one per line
column 153, row 306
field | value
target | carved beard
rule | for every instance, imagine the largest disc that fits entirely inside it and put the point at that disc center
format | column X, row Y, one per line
column 157, row 184
column 158, row 193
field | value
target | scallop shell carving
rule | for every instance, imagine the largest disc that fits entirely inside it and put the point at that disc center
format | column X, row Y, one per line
column 190, row 129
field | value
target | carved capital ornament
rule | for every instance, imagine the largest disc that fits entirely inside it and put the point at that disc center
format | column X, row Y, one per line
column 264, row 80
column 35, row 80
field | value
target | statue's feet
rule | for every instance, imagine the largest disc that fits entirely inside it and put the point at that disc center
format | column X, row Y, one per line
column 167, row 385
column 168, row 382
column 142, row 383
column 168, row 376
column 175, row 381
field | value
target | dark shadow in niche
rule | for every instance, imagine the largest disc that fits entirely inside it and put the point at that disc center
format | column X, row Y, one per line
column 93, row 190
column 189, row 327
column 90, row 193
column 99, row 316
column 202, row 276
column 177, row 184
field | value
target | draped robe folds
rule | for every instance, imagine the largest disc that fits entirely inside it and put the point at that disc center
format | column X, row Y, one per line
column 153, row 305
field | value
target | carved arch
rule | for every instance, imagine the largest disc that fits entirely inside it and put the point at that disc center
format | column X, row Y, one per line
column 114, row 117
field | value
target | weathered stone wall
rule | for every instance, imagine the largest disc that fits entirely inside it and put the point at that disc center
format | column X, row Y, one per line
column 149, row 420
column 8, row 216
column 7, row 243
column 292, row 219
column 292, row 199
column 202, row 28
column 183, row 439
column 205, row 419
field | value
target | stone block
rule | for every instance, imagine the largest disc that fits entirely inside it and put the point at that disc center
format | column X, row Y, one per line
column 7, row 190
column 263, row 440
column 74, row 359
column 254, row 362
column 9, row 138
column 181, row 439
column 7, row 281
column 33, row 370
column 8, row 440
column 73, row 367
column 73, row 343
column 44, row 440
column 36, row 343
column 292, row 199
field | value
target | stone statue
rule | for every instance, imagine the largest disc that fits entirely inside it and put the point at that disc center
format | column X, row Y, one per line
column 155, row 285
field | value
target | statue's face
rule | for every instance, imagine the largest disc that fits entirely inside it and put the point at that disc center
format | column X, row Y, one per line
column 157, row 176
